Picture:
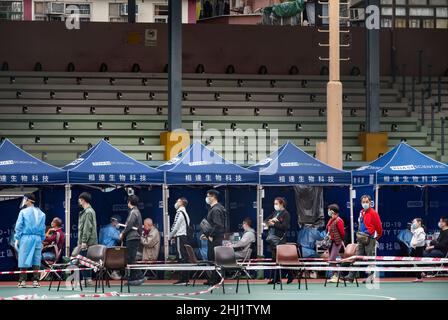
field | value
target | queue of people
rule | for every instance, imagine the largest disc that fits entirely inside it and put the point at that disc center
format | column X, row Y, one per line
column 33, row 243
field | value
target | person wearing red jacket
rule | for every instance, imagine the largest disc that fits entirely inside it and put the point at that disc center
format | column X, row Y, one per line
column 369, row 231
column 335, row 228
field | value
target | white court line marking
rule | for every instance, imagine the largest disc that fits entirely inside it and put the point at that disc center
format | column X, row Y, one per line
column 340, row 294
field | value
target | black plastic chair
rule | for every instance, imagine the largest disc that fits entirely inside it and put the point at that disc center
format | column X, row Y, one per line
column 226, row 261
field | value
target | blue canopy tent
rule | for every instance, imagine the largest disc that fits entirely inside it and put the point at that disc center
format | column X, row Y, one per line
column 103, row 164
column 403, row 166
column 199, row 165
column 289, row 166
column 18, row 167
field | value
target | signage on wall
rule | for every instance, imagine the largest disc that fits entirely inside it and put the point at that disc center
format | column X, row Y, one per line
column 150, row 37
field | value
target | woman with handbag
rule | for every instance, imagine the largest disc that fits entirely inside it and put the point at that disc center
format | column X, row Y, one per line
column 336, row 233
column 277, row 224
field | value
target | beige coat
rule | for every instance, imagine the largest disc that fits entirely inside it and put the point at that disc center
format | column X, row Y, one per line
column 151, row 245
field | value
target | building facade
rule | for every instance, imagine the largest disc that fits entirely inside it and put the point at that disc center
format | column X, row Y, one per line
column 151, row 11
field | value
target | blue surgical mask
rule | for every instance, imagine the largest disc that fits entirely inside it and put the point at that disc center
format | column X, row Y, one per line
column 366, row 206
column 330, row 213
column 414, row 226
column 207, row 200
column 277, row 207
column 176, row 206
column 439, row 225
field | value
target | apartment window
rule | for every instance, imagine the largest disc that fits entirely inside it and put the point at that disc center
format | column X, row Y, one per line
column 83, row 9
column 442, row 12
column 425, row 12
column 386, row 11
column 11, row 10
column 414, row 23
column 160, row 13
column 400, row 23
column 161, row 10
column 417, row 2
column 400, row 2
column 114, row 10
column 386, row 23
column 428, row 23
column 438, row 2
column 400, row 11
column 386, row 2
column 442, row 23
column 39, row 8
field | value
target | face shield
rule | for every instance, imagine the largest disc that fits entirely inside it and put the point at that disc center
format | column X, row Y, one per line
column 23, row 203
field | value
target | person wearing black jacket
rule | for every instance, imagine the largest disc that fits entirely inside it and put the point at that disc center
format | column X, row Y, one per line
column 131, row 235
column 439, row 248
column 216, row 217
column 278, row 224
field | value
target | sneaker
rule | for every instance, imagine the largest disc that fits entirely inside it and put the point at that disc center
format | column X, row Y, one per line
column 333, row 279
column 21, row 284
column 36, row 284
column 349, row 279
column 417, row 280
column 180, row 283
column 369, row 279
column 115, row 275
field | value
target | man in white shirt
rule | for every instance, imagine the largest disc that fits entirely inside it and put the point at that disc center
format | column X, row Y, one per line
column 179, row 235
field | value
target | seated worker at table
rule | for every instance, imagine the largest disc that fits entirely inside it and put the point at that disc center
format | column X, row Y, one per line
column 110, row 235
column 150, row 241
column 439, row 247
column 247, row 240
column 54, row 239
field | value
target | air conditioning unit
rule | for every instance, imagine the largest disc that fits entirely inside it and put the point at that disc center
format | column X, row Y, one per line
column 357, row 14
column 55, row 8
column 124, row 9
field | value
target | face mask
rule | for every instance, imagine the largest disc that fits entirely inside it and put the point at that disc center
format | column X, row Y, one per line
column 439, row 225
column 176, row 206
column 277, row 207
column 207, row 200
column 366, row 206
column 330, row 213
column 414, row 226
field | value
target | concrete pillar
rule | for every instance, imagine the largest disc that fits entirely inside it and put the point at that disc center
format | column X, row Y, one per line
column 334, row 91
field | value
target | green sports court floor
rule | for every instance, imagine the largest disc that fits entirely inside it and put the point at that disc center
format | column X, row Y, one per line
column 390, row 289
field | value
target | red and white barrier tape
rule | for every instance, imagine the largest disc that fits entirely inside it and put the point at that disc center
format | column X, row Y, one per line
column 117, row 294
column 43, row 271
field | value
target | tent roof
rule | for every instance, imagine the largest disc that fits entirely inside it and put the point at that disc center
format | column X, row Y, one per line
column 290, row 165
column 17, row 167
column 105, row 164
column 200, row 165
column 402, row 165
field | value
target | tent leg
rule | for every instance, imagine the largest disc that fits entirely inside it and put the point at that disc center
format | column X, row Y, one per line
column 377, row 188
column 260, row 197
column 166, row 221
column 352, row 227
column 68, row 197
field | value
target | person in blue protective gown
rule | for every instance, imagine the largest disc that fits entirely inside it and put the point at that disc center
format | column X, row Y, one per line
column 109, row 234
column 29, row 235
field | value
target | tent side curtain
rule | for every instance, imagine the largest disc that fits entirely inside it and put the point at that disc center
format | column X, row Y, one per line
column 403, row 165
column 17, row 167
column 201, row 165
column 290, row 165
column 105, row 164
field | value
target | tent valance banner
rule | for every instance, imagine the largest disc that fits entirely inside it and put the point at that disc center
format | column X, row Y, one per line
column 290, row 165
column 105, row 164
column 17, row 167
column 200, row 165
column 402, row 165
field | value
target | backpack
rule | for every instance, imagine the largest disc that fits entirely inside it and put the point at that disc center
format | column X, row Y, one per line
column 190, row 232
